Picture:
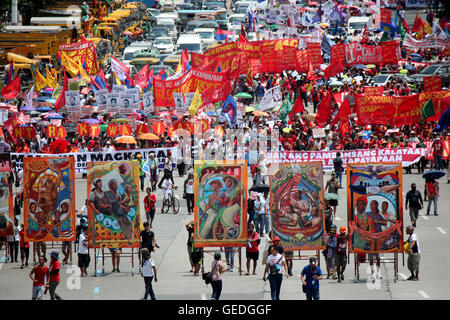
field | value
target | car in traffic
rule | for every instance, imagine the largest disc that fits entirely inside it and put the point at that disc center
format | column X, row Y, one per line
column 170, row 25
column 157, row 68
column 207, row 36
column 158, row 32
column 152, row 15
column 441, row 70
column 190, row 42
column 357, row 24
column 129, row 52
column 237, row 20
column 383, row 79
column 194, row 24
column 164, row 45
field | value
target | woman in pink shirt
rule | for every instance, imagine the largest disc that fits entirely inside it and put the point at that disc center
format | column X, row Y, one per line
column 217, row 267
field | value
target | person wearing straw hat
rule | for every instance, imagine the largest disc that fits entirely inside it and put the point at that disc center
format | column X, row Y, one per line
column 54, row 275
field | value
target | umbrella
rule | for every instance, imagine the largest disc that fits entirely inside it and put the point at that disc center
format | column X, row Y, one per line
column 287, row 130
column 148, row 136
column 436, row 174
column 371, row 66
column 409, row 67
column 126, row 139
column 336, row 84
column 249, row 109
column 44, row 109
column 360, row 66
column 28, row 108
column 53, row 116
column 120, row 120
column 51, row 100
column 260, row 188
column 46, row 93
column 128, row 33
column 243, row 95
column 167, row 114
column 5, row 146
column 404, row 71
column 59, row 146
column 332, row 196
column 260, row 113
column 41, row 99
column 91, row 121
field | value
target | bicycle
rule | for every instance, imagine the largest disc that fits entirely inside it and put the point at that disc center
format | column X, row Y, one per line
column 170, row 200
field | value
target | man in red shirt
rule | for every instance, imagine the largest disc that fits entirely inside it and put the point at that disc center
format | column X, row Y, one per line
column 149, row 203
column 24, row 248
column 54, row 275
column 39, row 272
column 438, row 149
column 252, row 251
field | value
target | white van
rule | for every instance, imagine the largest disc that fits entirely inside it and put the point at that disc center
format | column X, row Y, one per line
column 190, row 41
column 128, row 52
column 357, row 23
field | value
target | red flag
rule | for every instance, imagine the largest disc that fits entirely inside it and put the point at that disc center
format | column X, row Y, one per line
column 324, row 110
column 418, row 24
column 344, row 128
column 311, row 76
column 184, row 61
column 343, row 113
column 333, row 69
column 405, row 26
column 243, row 31
column 213, row 95
column 12, row 89
column 141, row 78
column 61, row 102
column 298, row 107
column 9, row 126
column 242, row 38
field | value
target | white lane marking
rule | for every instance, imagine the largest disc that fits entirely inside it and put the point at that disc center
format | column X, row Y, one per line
column 1, row 266
column 441, row 230
column 423, row 294
column 203, row 296
column 338, row 219
column 425, row 217
column 403, row 276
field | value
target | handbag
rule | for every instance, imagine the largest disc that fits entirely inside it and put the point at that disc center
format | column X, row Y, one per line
column 207, row 276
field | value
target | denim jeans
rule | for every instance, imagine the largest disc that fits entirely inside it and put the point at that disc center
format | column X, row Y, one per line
column 148, row 288
column 217, row 289
column 52, row 290
column 438, row 164
column 275, row 285
column 266, row 223
column 339, row 175
column 312, row 293
column 260, row 224
column 229, row 255
column 435, row 205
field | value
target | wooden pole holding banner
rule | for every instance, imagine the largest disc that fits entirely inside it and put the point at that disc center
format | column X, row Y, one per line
column 393, row 260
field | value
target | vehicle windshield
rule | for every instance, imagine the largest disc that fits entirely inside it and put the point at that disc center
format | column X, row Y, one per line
column 154, row 12
column 205, row 35
column 159, row 32
column 429, row 70
column 237, row 19
column 380, row 78
column 189, row 47
column 221, row 16
column 163, row 41
column 357, row 25
column 129, row 56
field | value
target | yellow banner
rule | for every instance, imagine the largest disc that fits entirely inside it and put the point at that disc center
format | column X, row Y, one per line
column 196, row 103
column 40, row 82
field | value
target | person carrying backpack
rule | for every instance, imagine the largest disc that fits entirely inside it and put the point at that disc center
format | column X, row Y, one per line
column 414, row 199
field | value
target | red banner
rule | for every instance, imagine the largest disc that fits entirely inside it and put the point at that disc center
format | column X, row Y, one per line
column 431, row 84
column 333, row 69
column 290, row 58
column 24, row 132
column 302, row 61
column 386, row 53
column 315, row 54
column 385, row 16
column 112, row 130
column 373, row 91
column 255, row 65
column 407, row 156
column 53, row 131
column 338, row 52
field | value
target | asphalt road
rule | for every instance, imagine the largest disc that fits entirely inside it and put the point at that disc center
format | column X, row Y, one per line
column 177, row 283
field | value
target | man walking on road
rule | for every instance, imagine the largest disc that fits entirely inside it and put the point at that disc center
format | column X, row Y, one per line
column 310, row 277
column 413, row 251
column 54, row 275
column 414, row 199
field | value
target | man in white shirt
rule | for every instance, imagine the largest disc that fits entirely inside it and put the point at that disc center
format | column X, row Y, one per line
column 413, row 254
column 83, row 252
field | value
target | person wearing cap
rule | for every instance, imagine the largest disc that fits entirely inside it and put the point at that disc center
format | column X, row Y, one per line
column 330, row 252
column 148, row 272
column 310, row 276
column 217, row 267
column 413, row 251
column 54, row 275
column 341, row 253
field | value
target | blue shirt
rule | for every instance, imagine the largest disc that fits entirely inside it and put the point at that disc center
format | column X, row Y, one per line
column 308, row 274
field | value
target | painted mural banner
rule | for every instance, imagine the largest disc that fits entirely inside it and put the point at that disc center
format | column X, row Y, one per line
column 297, row 205
column 49, row 199
column 6, row 199
column 375, row 207
column 113, row 204
column 220, row 211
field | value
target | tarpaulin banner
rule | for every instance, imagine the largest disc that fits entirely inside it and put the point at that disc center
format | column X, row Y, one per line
column 6, row 197
column 393, row 110
column 439, row 104
column 49, row 199
column 113, row 204
column 220, row 211
column 302, row 61
column 338, row 52
column 296, row 206
column 375, row 207
column 77, row 50
column 407, row 156
column 445, row 151
column 230, row 49
column 373, row 91
column 386, row 53
column 431, row 42
column 290, row 58
column 82, row 158
column 432, row 84
column 315, row 54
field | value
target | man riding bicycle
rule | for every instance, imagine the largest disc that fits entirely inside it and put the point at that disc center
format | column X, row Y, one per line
column 168, row 188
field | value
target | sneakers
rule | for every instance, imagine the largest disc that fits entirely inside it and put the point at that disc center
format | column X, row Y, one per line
column 334, row 277
column 415, row 279
column 342, row 276
column 114, row 270
column 410, row 278
column 117, row 270
column 290, row 273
